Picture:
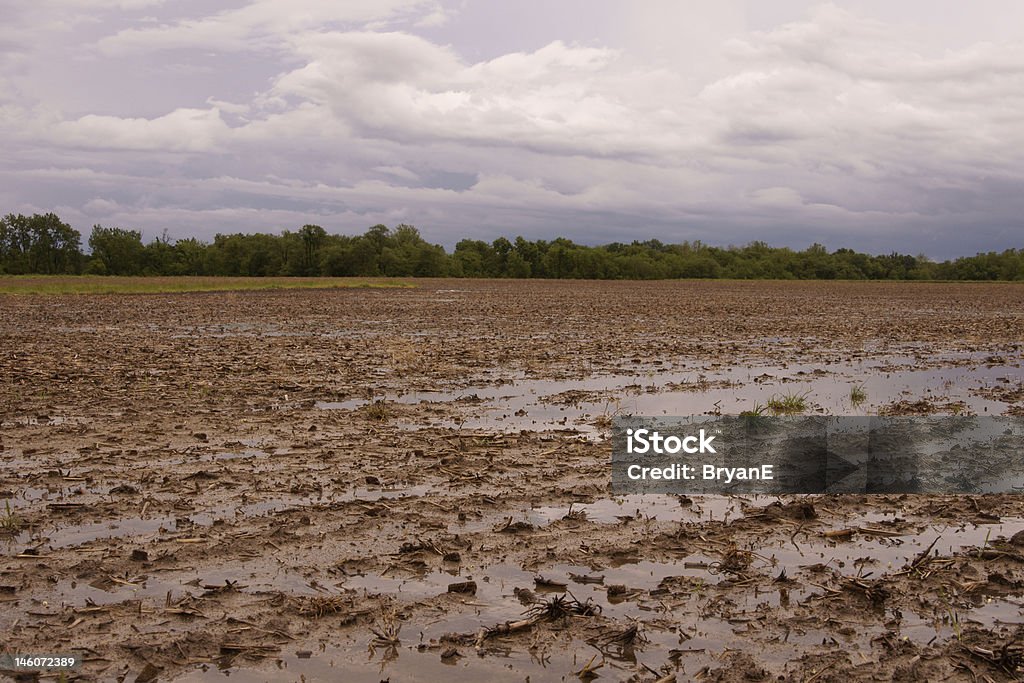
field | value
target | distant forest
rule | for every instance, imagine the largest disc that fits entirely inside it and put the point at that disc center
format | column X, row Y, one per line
column 43, row 244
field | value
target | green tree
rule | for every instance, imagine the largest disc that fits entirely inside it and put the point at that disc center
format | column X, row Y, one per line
column 119, row 251
column 189, row 257
column 313, row 238
column 159, row 256
column 40, row 243
column 475, row 258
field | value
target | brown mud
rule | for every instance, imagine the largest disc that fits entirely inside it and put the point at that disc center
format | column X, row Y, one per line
column 413, row 484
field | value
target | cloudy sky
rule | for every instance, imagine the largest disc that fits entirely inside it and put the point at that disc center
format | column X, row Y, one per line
column 873, row 124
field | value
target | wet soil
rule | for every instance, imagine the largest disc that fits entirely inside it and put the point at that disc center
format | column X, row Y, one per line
column 413, row 484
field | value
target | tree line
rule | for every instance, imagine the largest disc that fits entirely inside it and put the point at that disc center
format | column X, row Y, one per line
column 43, row 244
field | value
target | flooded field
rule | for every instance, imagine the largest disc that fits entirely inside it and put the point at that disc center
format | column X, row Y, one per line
column 413, row 485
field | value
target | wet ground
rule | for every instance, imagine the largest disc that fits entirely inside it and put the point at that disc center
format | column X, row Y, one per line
column 414, row 485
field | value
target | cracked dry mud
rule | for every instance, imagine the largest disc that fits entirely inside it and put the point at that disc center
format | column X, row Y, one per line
column 412, row 484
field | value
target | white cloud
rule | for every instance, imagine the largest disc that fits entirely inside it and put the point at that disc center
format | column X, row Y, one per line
column 834, row 124
column 262, row 23
column 561, row 97
column 183, row 130
column 100, row 207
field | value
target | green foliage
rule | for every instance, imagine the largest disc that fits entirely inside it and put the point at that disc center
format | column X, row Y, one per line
column 789, row 404
column 120, row 251
column 43, row 244
column 757, row 411
column 10, row 523
column 40, row 243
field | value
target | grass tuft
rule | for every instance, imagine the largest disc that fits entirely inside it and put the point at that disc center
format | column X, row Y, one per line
column 378, row 410
column 756, row 419
column 757, row 411
column 10, row 523
column 790, row 404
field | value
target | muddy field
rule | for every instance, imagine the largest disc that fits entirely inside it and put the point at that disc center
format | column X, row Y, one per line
column 413, row 485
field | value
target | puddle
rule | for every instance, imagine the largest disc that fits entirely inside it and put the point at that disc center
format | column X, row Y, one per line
column 42, row 421
column 702, row 640
column 581, row 404
column 21, row 498
column 407, row 398
column 996, row 612
column 655, row 589
column 882, row 553
column 124, row 527
column 154, row 585
column 63, row 536
column 661, row 507
column 648, row 583
column 352, row 660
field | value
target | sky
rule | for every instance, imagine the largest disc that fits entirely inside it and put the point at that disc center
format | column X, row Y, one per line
column 869, row 124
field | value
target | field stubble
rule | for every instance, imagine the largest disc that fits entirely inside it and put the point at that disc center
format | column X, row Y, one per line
column 410, row 483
